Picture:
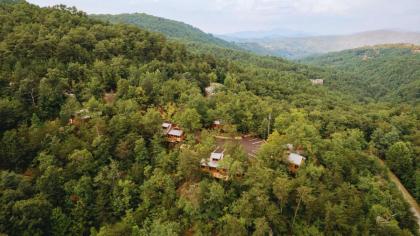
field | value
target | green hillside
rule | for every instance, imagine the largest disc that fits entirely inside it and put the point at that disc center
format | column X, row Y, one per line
column 389, row 72
column 83, row 151
column 170, row 28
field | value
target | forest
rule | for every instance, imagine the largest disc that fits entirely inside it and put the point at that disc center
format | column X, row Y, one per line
column 386, row 72
column 170, row 28
column 82, row 151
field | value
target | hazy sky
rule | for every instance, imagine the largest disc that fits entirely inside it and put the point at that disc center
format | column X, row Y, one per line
column 225, row 16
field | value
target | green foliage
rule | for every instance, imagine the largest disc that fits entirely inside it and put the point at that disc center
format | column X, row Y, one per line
column 399, row 158
column 110, row 170
column 170, row 28
column 383, row 72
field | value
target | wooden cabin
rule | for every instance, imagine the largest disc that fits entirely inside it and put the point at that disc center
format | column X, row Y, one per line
column 175, row 135
column 212, row 165
column 172, row 132
column 295, row 162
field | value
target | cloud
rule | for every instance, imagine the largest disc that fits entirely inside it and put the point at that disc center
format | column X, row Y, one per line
column 322, row 6
column 223, row 16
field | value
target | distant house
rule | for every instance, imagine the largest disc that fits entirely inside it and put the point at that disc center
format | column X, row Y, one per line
column 295, row 161
column 212, row 165
column 212, row 89
column 317, row 81
column 172, row 132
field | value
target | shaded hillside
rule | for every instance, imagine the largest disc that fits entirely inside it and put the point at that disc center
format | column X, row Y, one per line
column 382, row 72
column 298, row 47
column 170, row 28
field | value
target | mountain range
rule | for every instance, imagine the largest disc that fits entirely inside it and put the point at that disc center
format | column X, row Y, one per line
column 286, row 43
column 263, row 34
column 299, row 47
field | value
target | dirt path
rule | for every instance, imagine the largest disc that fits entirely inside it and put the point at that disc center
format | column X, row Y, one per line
column 414, row 207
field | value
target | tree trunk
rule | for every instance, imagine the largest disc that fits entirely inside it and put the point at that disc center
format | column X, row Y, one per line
column 296, row 211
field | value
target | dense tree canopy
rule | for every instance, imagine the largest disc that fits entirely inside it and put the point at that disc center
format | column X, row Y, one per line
column 82, row 150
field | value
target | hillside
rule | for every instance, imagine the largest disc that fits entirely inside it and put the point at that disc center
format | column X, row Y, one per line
column 170, row 28
column 299, row 47
column 388, row 72
column 107, row 130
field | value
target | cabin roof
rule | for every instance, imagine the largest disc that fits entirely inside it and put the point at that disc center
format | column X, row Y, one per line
column 216, row 156
column 210, row 163
column 166, row 125
column 296, row 159
column 175, row 132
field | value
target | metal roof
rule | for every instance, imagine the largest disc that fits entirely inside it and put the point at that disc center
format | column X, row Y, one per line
column 216, row 156
column 296, row 159
column 175, row 132
column 166, row 124
column 214, row 164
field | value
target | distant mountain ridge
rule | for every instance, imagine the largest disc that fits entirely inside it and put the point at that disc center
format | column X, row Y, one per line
column 299, row 47
column 383, row 72
column 170, row 28
column 275, row 33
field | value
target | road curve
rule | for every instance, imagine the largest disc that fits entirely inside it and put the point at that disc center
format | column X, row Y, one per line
column 414, row 207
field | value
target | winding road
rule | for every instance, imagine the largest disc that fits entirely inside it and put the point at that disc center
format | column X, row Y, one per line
column 414, row 207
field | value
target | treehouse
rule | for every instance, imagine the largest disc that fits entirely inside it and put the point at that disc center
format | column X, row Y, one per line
column 212, row 165
column 295, row 162
column 172, row 132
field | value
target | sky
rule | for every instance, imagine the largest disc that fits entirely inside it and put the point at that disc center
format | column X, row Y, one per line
column 227, row 16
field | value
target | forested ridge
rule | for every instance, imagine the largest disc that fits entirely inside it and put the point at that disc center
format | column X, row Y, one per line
column 384, row 72
column 172, row 29
column 82, row 150
column 312, row 46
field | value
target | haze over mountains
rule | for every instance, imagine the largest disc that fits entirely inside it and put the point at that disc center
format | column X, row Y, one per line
column 286, row 43
column 299, row 47
column 274, row 33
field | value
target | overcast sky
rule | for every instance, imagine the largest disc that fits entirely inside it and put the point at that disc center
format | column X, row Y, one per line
column 226, row 16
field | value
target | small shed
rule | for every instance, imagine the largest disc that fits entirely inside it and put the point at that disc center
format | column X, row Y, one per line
column 295, row 162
